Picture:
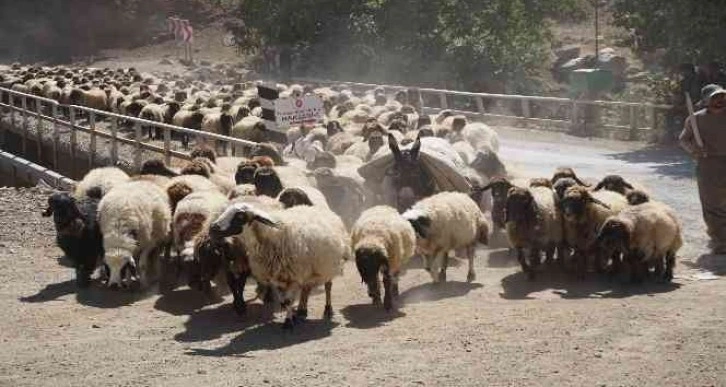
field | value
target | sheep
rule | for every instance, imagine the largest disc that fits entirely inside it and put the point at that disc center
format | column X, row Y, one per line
column 616, row 183
column 540, row 182
column 383, row 241
column 561, row 185
column 100, row 181
column 204, row 167
column 157, row 167
column 533, row 222
column 500, row 190
column 584, row 212
column 645, row 234
column 135, row 220
column 94, row 98
column 345, row 195
column 443, row 222
column 77, row 232
column 478, row 134
column 192, row 216
column 295, row 196
column 190, row 119
column 487, row 163
column 636, row 197
column 159, row 113
column 179, row 187
column 293, row 250
column 563, row 172
column 218, row 123
column 242, row 190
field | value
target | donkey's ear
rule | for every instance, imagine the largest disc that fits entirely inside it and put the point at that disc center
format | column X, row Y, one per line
column 416, row 148
column 393, row 145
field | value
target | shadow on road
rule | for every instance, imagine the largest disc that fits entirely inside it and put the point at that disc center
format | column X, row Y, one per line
column 518, row 287
column 213, row 323
column 713, row 263
column 270, row 337
column 435, row 292
column 182, row 302
column 52, row 292
column 367, row 316
column 502, row 259
column 99, row 296
column 671, row 161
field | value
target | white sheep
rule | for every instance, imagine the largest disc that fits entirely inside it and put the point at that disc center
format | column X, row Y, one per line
column 99, row 181
column 192, row 215
column 135, row 220
column 648, row 233
column 181, row 186
column 294, row 250
column 383, row 241
column 443, row 222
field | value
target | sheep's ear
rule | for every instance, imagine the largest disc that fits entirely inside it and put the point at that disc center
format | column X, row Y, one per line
column 393, row 145
column 416, row 148
column 597, row 187
column 580, row 182
column 628, row 185
column 265, row 219
column 421, row 226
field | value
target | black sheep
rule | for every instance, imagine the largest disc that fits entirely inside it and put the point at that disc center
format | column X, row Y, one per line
column 77, row 232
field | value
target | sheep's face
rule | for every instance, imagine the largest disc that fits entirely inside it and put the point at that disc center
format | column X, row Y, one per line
column 562, row 185
column 66, row 215
column 197, row 167
column 613, row 236
column 234, row 219
column 156, row 167
column 291, row 197
column 614, row 183
column 574, row 203
column 208, row 256
column 205, row 152
column 637, row 197
column 267, row 182
column 246, row 173
column 520, row 206
column 120, row 268
column 488, row 163
column 369, row 262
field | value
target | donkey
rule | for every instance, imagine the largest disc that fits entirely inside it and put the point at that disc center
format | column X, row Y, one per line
column 407, row 181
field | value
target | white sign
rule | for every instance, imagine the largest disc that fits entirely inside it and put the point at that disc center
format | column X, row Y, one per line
column 297, row 111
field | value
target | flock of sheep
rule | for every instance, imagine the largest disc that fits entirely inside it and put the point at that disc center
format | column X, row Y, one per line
column 291, row 211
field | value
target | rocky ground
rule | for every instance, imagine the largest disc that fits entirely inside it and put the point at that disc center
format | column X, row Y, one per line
column 500, row 330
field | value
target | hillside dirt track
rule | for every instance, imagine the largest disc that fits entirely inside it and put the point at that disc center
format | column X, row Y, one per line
column 500, row 330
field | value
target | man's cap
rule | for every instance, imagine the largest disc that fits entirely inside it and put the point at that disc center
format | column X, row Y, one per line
column 710, row 91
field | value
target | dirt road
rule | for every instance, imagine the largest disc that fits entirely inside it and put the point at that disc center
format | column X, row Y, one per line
column 501, row 330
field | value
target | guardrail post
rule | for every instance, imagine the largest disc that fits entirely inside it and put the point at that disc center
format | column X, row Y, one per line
column 633, row 122
column 92, row 145
column 574, row 116
column 24, row 104
column 72, row 114
column 442, row 99
column 525, row 108
column 114, row 143
column 11, row 99
column 39, row 131
column 480, row 105
column 56, row 136
column 653, row 118
column 167, row 146
column 137, row 150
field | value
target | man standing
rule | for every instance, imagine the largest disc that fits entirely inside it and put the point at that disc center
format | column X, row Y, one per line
column 704, row 138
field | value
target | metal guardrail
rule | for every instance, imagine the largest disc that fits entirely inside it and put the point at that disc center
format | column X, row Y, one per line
column 632, row 119
column 22, row 169
column 18, row 104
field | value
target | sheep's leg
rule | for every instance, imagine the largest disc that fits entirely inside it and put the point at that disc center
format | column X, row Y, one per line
column 550, row 254
column 561, row 254
column 659, row 270
column 636, row 267
column 289, row 315
column 328, row 314
column 444, row 266
column 616, row 265
column 185, row 141
column 471, row 275
column 394, row 288
column 534, row 261
column 522, row 260
column 374, row 290
column 236, row 286
column 388, row 288
column 302, row 306
column 670, row 265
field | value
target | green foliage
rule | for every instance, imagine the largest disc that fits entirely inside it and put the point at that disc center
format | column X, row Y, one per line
column 471, row 44
column 689, row 31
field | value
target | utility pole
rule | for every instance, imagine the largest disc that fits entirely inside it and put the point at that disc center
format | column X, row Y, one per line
column 597, row 31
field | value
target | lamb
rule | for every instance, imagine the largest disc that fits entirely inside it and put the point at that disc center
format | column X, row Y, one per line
column 383, row 241
column 77, row 232
column 584, row 212
column 99, row 181
column 533, row 222
column 134, row 219
column 443, row 222
column 293, row 250
column 645, row 234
